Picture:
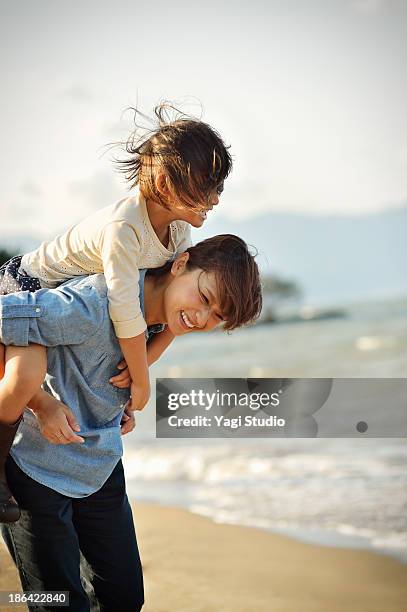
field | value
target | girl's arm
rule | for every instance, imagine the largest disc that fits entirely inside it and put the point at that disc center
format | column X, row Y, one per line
column 135, row 354
column 120, row 253
column 155, row 348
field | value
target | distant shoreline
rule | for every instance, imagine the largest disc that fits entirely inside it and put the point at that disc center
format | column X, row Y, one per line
column 327, row 538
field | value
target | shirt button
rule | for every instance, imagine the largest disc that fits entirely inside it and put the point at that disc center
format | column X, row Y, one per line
column 38, row 310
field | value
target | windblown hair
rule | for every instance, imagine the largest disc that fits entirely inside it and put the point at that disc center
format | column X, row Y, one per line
column 236, row 274
column 190, row 153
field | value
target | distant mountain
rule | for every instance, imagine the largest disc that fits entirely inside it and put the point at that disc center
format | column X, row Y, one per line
column 334, row 259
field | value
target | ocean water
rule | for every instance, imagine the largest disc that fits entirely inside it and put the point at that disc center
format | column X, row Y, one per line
column 370, row 341
column 341, row 492
column 337, row 492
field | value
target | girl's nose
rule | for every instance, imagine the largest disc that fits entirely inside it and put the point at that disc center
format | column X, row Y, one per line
column 216, row 199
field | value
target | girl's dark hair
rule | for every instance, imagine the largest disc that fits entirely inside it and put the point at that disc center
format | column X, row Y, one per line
column 236, row 273
column 190, row 153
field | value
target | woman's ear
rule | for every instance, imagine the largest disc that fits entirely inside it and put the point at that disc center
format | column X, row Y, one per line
column 179, row 265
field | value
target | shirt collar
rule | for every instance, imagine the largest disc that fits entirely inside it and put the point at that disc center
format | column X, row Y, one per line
column 151, row 329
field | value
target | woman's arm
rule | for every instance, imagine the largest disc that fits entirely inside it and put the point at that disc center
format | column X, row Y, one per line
column 57, row 422
column 69, row 314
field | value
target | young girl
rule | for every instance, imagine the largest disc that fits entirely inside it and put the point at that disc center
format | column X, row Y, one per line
column 178, row 171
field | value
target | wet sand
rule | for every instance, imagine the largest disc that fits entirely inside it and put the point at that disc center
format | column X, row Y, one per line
column 192, row 564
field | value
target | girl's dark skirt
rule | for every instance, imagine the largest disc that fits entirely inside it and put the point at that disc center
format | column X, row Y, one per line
column 13, row 278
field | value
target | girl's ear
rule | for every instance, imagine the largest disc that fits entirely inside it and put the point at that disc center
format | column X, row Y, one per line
column 161, row 184
column 179, row 265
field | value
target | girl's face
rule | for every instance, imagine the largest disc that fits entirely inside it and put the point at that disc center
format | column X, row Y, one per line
column 196, row 219
column 191, row 303
column 179, row 210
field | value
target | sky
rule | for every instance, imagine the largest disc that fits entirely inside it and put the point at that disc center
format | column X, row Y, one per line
column 311, row 96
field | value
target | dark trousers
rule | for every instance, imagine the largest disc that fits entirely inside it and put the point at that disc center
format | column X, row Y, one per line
column 86, row 546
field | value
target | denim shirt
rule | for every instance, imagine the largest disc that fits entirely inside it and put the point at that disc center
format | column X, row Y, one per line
column 83, row 352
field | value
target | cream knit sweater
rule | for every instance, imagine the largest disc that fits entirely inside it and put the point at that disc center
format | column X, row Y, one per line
column 118, row 241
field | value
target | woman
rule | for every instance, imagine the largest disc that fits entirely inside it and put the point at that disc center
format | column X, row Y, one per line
column 72, row 495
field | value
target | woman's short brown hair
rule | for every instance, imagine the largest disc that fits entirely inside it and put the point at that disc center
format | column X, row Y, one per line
column 190, row 153
column 236, row 275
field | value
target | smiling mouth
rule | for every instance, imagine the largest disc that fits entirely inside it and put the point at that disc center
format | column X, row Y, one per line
column 186, row 321
column 204, row 213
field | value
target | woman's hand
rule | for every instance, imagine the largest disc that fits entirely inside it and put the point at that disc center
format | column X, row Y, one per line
column 57, row 422
column 122, row 380
column 128, row 422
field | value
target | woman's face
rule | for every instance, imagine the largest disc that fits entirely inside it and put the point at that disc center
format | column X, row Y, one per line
column 191, row 303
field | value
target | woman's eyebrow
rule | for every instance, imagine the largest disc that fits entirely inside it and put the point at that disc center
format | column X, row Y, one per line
column 213, row 301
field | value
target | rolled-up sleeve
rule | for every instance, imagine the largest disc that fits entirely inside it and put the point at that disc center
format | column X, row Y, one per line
column 14, row 320
column 50, row 317
column 120, row 251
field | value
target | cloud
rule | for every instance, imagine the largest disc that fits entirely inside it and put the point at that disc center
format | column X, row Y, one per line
column 371, row 7
column 117, row 130
column 99, row 190
column 75, row 91
column 31, row 189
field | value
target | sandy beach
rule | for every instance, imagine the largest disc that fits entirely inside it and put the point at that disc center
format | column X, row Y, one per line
column 192, row 564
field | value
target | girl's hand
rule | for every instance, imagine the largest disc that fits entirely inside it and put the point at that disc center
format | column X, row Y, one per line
column 140, row 394
column 57, row 422
column 128, row 422
column 122, row 380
